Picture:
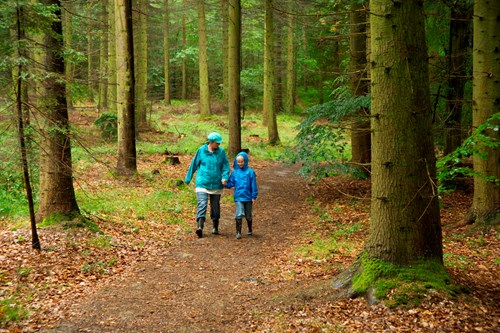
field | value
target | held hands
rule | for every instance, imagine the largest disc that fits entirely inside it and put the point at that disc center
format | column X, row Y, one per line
column 224, row 182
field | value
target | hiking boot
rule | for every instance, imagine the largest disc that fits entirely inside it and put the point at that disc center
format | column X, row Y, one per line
column 199, row 229
column 215, row 230
column 238, row 228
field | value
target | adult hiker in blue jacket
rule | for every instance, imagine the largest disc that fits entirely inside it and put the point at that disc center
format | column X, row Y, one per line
column 244, row 181
column 212, row 167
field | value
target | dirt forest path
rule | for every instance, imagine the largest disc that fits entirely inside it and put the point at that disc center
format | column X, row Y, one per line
column 211, row 284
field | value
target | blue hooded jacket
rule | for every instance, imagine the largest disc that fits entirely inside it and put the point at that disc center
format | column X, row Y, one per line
column 212, row 167
column 244, row 181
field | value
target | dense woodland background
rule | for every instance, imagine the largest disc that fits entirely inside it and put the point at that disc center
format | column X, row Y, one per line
column 404, row 93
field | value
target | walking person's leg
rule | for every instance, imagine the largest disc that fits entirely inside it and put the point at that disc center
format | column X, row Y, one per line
column 201, row 212
column 248, row 216
column 215, row 212
column 240, row 213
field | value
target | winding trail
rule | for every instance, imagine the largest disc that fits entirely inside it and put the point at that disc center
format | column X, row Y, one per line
column 212, row 284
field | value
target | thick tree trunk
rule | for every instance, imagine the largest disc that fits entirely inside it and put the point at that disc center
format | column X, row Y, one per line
column 166, row 53
column 405, row 224
column 141, row 64
column 459, row 42
column 57, row 194
column 234, row 66
column 486, row 102
column 127, row 163
column 360, row 133
column 203, row 60
column 68, row 44
column 269, row 113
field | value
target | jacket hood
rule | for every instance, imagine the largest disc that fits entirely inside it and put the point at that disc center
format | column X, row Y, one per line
column 245, row 158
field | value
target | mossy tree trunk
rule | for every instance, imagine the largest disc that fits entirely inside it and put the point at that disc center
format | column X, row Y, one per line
column 234, row 67
column 112, row 83
column 360, row 133
column 405, row 223
column 127, row 161
column 486, row 102
column 225, row 77
column 203, row 60
column 57, row 194
column 184, row 47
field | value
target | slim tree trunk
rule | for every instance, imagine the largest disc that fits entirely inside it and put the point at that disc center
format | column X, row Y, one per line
column 405, row 223
column 459, row 41
column 203, row 60
column 103, row 57
column 289, row 100
column 234, row 66
column 35, row 241
column 57, row 194
column 269, row 112
column 225, row 77
column 486, row 102
column 90, row 64
column 184, row 47
column 141, row 63
column 112, row 83
column 127, row 163
column 166, row 53
column 68, row 43
column 360, row 133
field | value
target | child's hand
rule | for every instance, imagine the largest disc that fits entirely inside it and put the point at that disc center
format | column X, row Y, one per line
column 224, row 182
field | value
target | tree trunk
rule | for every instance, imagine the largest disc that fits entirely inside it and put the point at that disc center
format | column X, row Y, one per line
column 127, row 163
column 225, row 77
column 166, row 53
column 103, row 54
column 486, row 102
column 203, row 60
column 459, row 41
column 141, row 63
column 360, row 133
column 234, row 66
column 21, row 53
column 112, row 80
column 405, row 223
column 289, row 100
column 57, row 194
column 269, row 113
column 68, row 44
column 90, row 64
column 184, row 47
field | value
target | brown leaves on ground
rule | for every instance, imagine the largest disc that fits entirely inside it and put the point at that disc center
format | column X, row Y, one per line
column 291, row 290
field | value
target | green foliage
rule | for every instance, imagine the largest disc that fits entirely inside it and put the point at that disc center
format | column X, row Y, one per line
column 108, row 124
column 321, row 142
column 452, row 165
column 251, row 87
column 404, row 285
column 10, row 311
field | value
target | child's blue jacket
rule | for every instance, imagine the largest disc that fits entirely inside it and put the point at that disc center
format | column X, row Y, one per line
column 211, row 168
column 244, row 181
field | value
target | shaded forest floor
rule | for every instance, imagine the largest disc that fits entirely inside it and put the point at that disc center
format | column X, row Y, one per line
column 152, row 277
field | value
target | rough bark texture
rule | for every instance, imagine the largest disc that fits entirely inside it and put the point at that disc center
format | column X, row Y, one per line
column 203, row 60
column 141, row 63
column 166, row 53
column 127, row 163
column 269, row 113
column 112, row 86
column 234, row 66
column 405, row 222
column 486, row 101
column 360, row 134
column 225, row 77
column 57, row 194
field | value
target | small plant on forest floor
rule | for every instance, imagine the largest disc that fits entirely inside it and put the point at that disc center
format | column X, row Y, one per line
column 10, row 311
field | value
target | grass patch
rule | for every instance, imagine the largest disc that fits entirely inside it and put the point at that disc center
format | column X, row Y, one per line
column 10, row 311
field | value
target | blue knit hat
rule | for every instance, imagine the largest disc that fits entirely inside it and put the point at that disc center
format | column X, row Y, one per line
column 215, row 137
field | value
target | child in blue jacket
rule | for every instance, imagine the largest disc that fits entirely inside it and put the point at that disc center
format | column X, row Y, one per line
column 244, row 181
